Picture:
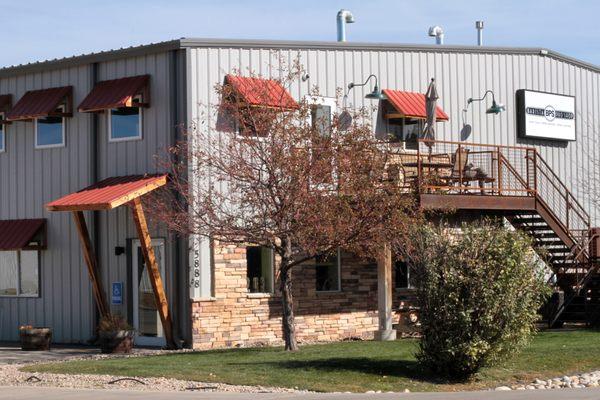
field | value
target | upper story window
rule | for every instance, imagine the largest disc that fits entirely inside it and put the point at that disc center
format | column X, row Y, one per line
column 50, row 131
column 48, row 108
column 5, row 105
column 328, row 273
column 125, row 123
column 242, row 95
column 2, row 138
column 123, row 100
column 259, row 261
column 406, row 114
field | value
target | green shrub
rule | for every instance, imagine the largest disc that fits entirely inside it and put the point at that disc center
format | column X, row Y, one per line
column 479, row 290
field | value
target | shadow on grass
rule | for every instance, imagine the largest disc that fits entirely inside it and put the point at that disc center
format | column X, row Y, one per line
column 407, row 369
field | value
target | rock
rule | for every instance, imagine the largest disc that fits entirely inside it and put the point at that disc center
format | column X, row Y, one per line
column 539, row 382
column 530, row 387
column 370, row 392
column 502, row 388
column 406, row 391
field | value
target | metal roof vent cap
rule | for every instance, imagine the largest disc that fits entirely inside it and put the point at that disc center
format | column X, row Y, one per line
column 437, row 32
column 343, row 17
column 479, row 27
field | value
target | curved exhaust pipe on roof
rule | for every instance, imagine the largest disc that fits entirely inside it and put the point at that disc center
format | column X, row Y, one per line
column 437, row 32
column 343, row 17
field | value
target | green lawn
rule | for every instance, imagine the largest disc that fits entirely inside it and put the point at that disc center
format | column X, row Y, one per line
column 349, row 366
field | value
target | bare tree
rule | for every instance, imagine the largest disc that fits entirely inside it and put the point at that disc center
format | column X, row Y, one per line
column 286, row 178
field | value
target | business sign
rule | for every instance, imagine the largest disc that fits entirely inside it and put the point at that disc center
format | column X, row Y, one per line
column 116, row 297
column 543, row 115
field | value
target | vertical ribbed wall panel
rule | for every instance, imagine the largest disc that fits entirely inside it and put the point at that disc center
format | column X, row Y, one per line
column 30, row 178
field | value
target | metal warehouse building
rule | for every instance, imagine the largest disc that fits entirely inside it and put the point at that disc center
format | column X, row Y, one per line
column 71, row 123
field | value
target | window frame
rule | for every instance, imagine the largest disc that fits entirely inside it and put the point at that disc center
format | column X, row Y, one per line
column 401, row 125
column 271, row 272
column 39, row 278
column 408, row 284
column 50, row 146
column 338, row 264
column 140, row 135
column 2, row 138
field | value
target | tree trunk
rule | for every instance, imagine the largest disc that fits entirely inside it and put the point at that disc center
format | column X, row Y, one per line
column 287, row 302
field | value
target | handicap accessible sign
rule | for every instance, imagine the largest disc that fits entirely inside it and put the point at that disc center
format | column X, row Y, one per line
column 117, row 293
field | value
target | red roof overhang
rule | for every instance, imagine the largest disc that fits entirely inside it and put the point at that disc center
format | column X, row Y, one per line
column 117, row 93
column 41, row 103
column 109, row 193
column 259, row 92
column 412, row 105
column 17, row 234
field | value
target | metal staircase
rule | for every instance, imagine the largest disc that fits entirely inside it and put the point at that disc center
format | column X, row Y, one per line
column 516, row 183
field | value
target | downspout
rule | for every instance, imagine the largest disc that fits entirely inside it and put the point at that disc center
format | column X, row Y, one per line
column 94, row 161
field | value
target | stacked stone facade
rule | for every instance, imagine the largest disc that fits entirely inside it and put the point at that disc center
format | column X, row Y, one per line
column 233, row 317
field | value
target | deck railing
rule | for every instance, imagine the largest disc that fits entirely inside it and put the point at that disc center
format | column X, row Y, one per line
column 492, row 170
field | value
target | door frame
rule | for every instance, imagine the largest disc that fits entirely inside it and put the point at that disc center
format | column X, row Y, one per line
column 135, row 245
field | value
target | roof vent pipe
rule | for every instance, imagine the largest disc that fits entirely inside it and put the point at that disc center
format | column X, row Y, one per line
column 343, row 17
column 479, row 27
column 438, row 33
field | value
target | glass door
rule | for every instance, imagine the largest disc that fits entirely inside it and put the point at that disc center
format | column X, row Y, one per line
column 146, row 319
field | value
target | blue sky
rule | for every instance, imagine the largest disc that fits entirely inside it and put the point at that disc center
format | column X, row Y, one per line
column 35, row 30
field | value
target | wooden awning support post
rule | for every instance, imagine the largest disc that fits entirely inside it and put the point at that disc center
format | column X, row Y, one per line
column 153, row 270
column 90, row 260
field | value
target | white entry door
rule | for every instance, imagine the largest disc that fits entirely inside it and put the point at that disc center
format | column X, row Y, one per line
column 146, row 319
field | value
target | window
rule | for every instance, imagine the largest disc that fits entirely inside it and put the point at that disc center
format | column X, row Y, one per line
column 259, row 261
column 50, row 131
column 328, row 273
column 404, row 280
column 2, row 138
column 125, row 123
column 19, row 273
column 406, row 131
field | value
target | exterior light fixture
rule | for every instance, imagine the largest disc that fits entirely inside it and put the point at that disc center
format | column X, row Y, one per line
column 496, row 108
column 376, row 94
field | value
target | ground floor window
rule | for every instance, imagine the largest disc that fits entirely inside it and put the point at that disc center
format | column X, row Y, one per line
column 328, row 273
column 19, row 273
column 259, row 261
column 403, row 280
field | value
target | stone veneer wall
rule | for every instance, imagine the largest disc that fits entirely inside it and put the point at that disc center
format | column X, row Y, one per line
column 234, row 317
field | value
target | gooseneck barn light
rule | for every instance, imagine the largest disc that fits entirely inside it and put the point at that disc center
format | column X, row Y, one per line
column 496, row 108
column 376, row 94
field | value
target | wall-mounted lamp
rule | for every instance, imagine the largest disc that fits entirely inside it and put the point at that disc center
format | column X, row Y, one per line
column 376, row 94
column 119, row 250
column 495, row 108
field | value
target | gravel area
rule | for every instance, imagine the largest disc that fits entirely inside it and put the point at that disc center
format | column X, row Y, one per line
column 10, row 375
column 580, row 381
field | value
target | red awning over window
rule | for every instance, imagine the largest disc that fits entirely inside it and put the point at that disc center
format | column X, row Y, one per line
column 108, row 193
column 17, row 234
column 412, row 105
column 41, row 103
column 117, row 93
column 261, row 92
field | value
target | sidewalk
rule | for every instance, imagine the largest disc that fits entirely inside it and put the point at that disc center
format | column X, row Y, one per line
column 27, row 393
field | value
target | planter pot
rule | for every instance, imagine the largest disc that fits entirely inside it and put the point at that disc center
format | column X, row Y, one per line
column 116, row 342
column 35, row 339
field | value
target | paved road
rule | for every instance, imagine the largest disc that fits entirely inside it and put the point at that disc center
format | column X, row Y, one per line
column 27, row 393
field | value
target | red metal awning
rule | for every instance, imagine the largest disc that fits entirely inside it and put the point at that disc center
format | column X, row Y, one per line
column 108, row 193
column 17, row 234
column 261, row 92
column 41, row 103
column 412, row 105
column 116, row 93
